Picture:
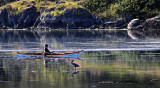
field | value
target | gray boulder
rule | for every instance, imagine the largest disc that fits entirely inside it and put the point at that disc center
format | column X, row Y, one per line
column 152, row 23
column 133, row 23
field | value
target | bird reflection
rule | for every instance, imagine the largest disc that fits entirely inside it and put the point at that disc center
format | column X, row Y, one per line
column 75, row 71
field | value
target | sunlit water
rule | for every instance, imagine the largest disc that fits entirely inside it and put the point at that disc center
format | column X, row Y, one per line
column 111, row 59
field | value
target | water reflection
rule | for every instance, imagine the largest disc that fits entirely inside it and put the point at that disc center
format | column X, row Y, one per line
column 3, row 75
column 123, row 69
column 139, row 34
column 74, row 73
column 73, row 40
column 58, row 39
column 111, row 59
column 49, row 59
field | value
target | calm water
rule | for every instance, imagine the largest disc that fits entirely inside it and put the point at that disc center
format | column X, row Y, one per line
column 111, row 59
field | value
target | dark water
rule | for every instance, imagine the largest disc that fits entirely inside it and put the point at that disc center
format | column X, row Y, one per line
column 111, row 59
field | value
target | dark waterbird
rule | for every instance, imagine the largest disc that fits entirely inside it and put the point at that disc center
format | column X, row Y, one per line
column 74, row 64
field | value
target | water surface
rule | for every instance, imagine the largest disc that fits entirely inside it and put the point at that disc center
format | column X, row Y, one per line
column 111, row 59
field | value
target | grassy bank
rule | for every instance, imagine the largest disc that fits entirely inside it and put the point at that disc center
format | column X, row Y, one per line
column 102, row 8
column 15, row 7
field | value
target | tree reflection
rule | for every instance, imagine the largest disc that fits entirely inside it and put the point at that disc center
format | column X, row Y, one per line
column 3, row 74
column 104, row 68
column 10, row 72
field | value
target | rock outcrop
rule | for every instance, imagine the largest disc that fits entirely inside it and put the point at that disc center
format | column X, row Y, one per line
column 145, row 29
column 70, row 19
column 27, row 17
column 75, row 18
column 151, row 23
column 4, row 18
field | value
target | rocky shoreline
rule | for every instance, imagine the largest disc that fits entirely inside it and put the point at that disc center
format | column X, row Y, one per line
column 74, row 18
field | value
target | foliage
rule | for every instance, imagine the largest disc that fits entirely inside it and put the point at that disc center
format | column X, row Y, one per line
column 139, row 8
column 103, row 8
column 96, row 5
column 3, row 2
column 57, row 12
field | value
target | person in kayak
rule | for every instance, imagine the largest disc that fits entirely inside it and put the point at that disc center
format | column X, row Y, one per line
column 46, row 51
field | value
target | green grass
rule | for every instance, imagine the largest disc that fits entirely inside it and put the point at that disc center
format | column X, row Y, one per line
column 15, row 7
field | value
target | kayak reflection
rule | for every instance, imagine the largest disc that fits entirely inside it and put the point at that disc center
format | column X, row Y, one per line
column 47, row 60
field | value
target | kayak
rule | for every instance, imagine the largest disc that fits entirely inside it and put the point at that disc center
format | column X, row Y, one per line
column 49, row 58
column 65, row 54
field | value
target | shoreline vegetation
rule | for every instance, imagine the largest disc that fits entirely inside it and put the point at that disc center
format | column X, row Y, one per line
column 80, row 14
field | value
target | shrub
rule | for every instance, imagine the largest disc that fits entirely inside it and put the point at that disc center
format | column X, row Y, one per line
column 102, row 8
column 96, row 5
column 139, row 8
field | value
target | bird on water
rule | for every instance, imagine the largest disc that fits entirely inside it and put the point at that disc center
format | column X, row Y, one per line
column 74, row 64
